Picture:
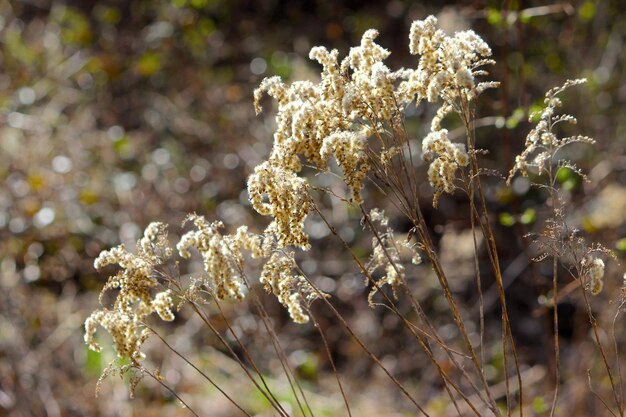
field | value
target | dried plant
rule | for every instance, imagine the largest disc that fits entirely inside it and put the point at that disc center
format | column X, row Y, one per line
column 355, row 115
column 559, row 240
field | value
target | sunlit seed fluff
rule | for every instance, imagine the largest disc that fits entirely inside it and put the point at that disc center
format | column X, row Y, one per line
column 349, row 149
column 163, row 305
column 594, row 270
column 448, row 65
column 596, row 286
column 460, row 155
column 421, row 29
column 446, row 158
column 222, row 254
column 542, row 144
column 290, row 289
column 464, row 78
column 134, row 301
column 288, row 202
column 91, row 325
column 356, row 99
column 387, row 255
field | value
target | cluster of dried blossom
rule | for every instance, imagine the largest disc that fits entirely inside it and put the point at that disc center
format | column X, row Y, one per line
column 388, row 253
column 134, row 301
column 333, row 118
column 540, row 154
column 542, row 144
column 354, row 100
column 593, row 268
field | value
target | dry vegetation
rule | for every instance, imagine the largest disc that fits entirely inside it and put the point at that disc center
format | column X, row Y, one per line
column 372, row 258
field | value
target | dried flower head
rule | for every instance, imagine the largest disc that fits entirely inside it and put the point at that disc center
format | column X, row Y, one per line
column 354, row 99
column 388, row 254
column 593, row 269
column 542, row 144
column 447, row 69
column 446, row 158
column 447, row 65
column 222, row 254
column 288, row 202
column 292, row 290
column 134, row 301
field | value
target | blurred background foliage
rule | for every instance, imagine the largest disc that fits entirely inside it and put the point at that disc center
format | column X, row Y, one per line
column 117, row 113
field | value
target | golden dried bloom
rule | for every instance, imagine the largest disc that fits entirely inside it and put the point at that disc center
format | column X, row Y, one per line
column 596, row 286
column 447, row 65
column 447, row 70
column 542, row 144
column 163, row 305
column 126, row 330
column 288, row 203
column 593, row 268
column 349, row 149
column 134, row 302
column 388, row 254
column 222, row 254
column 446, row 158
column 316, row 121
column 291, row 290
column 154, row 244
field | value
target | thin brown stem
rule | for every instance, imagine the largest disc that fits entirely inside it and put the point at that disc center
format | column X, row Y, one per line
column 494, row 258
column 557, row 352
column 167, row 387
column 203, row 374
column 246, row 353
column 268, row 396
column 417, row 308
column 331, row 361
column 596, row 333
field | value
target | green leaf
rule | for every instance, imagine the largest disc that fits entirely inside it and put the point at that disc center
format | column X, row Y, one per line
column 534, row 112
column 513, row 121
column 524, row 17
column 309, row 367
column 149, row 64
column 107, row 14
column 94, row 362
column 529, row 216
column 88, row 197
column 588, row 225
column 620, row 245
column 507, row 219
column 122, row 146
column 199, row 4
column 494, row 17
column 564, row 174
column 570, row 185
column 587, row 11
column 539, row 405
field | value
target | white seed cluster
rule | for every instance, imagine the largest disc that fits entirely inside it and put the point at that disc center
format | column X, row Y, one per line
column 446, row 158
column 448, row 65
column 593, row 268
column 355, row 100
column 288, row 202
column 542, row 144
column 388, row 254
column 222, row 254
column 447, row 69
column 357, row 96
column 126, row 330
column 349, row 149
column 134, row 301
column 291, row 290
